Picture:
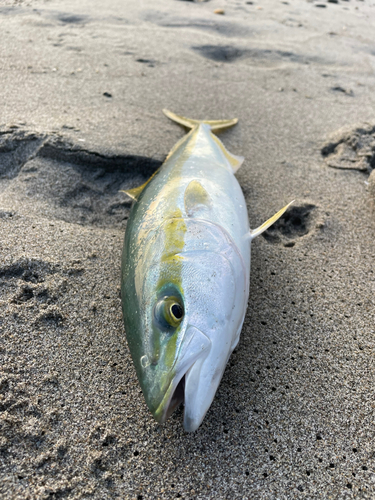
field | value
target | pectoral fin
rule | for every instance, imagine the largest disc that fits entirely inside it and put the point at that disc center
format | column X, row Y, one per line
column 259, row 230
column 196, row 198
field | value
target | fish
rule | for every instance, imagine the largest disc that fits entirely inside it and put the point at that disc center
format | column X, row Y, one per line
column 186, row 270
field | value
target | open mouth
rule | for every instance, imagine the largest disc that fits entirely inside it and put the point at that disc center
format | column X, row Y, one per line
column 177, row 398
column 195, row 349
column 172, row 399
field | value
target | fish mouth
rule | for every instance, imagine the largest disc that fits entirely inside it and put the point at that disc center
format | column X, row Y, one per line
column 174, row 397
column 178, row 397
column 195, row 349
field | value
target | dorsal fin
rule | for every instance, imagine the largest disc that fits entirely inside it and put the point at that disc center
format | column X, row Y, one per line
column 196, row 198
column 135, row 193
column 215, row 125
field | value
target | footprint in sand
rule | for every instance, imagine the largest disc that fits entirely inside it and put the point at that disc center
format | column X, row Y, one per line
column 70, row 183
column 297, row 222
column 353, row 149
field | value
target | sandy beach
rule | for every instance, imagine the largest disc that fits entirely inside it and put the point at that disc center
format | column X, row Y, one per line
column 82, row 88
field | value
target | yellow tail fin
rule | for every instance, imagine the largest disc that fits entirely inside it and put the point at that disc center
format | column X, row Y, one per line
column 216, row 125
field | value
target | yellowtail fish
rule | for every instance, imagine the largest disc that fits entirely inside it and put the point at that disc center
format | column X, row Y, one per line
column 186, row 271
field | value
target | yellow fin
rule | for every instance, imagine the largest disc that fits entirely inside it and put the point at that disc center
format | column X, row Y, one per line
column 234, row 160
column 259, row 230
column 135, row 193
column 196, row 198
column 216, row 125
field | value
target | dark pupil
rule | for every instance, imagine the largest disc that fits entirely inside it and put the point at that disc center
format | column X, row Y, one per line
column 176, row 311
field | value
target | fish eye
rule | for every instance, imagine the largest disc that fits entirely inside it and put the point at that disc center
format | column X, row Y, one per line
column 169, row 312
column 177, row 311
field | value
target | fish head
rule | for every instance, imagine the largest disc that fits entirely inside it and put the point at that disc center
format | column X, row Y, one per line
column 183, row 317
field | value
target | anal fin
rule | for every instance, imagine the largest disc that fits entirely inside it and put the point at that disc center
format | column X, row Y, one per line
column 234, row 160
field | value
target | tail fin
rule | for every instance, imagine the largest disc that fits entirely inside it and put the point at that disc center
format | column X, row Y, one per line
column 216, row 125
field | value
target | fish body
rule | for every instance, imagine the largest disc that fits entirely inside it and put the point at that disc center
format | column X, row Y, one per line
column 185, row 273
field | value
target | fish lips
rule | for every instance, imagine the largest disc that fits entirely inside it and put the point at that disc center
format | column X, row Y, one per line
column 195, row 348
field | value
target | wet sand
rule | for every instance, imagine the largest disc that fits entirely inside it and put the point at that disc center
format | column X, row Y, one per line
column 82, row 88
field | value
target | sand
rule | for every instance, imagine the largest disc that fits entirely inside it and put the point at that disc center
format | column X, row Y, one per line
column 82, row 85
